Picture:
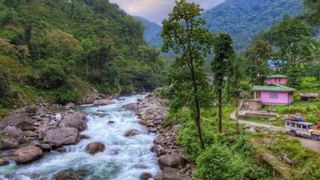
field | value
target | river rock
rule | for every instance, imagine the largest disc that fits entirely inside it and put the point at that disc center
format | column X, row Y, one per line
column 76, row 120
column 82, row 137
column 131, row 107
column 4, row 162
column 8, row 143
column 95, row 147
column 159, row 140
column 170, row 160
column 15, row 119
column 63, row 136
column 145, row 176
column 171, row 174
column 27, row 154
column 102, row 102
column 131, row 133
column 71, row 175
column 13, row 132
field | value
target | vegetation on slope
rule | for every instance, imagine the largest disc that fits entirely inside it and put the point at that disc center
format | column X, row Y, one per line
column 245, row 19
column 59, row 49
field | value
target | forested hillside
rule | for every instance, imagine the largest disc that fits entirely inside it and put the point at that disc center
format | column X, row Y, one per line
column 244, row 19
column 60, row 49
column 152, row 32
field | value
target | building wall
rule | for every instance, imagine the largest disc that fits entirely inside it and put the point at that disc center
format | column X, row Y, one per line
column 281, row 81
column 267, row 97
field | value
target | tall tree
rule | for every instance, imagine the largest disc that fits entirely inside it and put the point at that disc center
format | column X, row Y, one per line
column 257, row 61
column 183, row 33
column 224, row 54
column 295, row 47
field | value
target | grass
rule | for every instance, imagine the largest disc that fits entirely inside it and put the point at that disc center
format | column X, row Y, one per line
column 274, row 122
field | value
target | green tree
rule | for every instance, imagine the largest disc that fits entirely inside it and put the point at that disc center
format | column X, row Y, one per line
column 257, row 61
column 224, row 54
column 183, row 32
column 295, row 47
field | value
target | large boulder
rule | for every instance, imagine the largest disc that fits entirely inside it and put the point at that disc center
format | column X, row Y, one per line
column 27, row 154
column 102, row 102
column 131, row 107
column 95, row 147
column 15, row 120
column 64, row 136
column 76, row 120
column 131, row 132
column 8, row 143
column 13, row 132
column 71, row 175
column 171, row 160
column 171, row 174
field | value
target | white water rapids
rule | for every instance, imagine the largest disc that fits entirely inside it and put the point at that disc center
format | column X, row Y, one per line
column 125, row 158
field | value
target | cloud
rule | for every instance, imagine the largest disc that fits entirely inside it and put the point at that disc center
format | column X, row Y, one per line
column 157, row 10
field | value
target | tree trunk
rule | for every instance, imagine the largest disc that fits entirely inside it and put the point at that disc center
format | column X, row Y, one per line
column 198, row 122
column 220, row 110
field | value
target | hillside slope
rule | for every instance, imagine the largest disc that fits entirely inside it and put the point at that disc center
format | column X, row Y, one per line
column 60, row 49
column 244, row 19
column 152, row 32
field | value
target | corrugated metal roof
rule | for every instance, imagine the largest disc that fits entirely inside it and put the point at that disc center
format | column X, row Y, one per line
column 277, row 88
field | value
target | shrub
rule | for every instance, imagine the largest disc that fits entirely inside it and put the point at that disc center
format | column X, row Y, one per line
column 4, row 86
column 219, row 162
column 52, row 76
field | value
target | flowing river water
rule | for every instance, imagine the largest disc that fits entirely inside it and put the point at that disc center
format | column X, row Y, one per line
column 125, row 158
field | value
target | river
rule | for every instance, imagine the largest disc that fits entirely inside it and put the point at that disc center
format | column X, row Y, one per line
column 125, row 158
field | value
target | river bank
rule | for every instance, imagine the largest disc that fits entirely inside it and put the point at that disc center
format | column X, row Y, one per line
column 102, row 141
column 172, row 160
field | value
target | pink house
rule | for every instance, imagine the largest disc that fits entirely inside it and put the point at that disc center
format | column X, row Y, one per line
column 277, row 79
column 274, row 94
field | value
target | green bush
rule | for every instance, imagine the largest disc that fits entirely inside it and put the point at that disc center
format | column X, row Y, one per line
column 219, row 162
column 4, row 86
column 52, row 76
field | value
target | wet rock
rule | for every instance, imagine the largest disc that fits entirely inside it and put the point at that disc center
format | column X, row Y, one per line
column 13, row 132
column 27, row 154
column 61, row 149
column 171, row 174
column 4, row 162
column 95, row 147
column 171, row 160
column 8, row 143
column 131, row 107
column 111, row 122
column 145, row 176
column 131, row 133
column 159, row 140
column 102, row 102
column 64, row 136
column 76, row 120
column 82, row 137
column 158, row 150
column 71, row 175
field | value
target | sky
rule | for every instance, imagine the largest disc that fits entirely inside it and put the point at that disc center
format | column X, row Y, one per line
column 157, row 10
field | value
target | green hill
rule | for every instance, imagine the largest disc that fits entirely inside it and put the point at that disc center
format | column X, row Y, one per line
column 60, row 49
column 245, row 19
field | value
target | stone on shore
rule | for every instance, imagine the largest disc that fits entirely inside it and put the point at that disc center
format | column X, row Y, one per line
column 145, row 176
column 64, row 136
column 102, row 102
column 95, row 147
column 131, row 133
column 27, row 154
column 76, row 120
column 172, row 160
column 131, row 107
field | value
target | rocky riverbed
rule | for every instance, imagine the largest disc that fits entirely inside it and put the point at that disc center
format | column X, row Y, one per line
column 172, row 159
column 35, row 132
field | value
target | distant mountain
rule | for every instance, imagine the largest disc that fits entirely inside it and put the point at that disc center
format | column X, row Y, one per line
column 152, row 32
column 245, row 19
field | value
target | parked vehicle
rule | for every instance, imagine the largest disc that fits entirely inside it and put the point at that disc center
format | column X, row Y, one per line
column 303, row 129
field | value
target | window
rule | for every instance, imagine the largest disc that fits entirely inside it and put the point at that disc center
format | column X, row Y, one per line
column 273, row 95
column 304, row 127
column 299, row 125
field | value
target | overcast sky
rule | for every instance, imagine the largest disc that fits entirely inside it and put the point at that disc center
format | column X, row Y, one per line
column 156, row 10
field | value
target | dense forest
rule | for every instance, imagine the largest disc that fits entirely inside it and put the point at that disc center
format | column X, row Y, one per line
column 208, row 110
column 237, row 18
column 50, row 47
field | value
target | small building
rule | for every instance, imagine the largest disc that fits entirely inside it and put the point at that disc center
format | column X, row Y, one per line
column 277, row 79
column 274, row 94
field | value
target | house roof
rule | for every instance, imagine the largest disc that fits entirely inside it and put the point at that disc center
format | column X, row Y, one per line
column 276, row 88
column 278, row 76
